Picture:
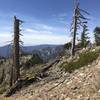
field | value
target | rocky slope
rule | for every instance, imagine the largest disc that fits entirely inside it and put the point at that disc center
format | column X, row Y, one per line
column 82, row 84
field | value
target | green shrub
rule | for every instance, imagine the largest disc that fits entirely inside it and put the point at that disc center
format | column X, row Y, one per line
column 84, row 59
column 35, row 59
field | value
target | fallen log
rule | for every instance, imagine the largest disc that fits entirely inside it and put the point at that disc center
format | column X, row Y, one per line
column 50, row 65
column 24, row 82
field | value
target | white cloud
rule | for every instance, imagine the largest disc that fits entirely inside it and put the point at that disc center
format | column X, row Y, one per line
column 36, row 33
column 5, row 39
column 36, row 39
column 38, row 28
column 44, row 34
column 61, row 18
column 33, row 31
column 29, row 30
column 45, row 27
column 41, row 34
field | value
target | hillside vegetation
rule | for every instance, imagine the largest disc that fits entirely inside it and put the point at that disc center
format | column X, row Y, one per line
column 69, row 73
column 84, row 58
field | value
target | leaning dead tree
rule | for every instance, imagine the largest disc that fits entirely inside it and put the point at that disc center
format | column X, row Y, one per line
column 15, row 72
column 78, row 20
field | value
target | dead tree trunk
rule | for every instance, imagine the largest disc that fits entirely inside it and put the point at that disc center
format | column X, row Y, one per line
column 78, row 20
column 2, row 76
column 16, row 50
column 74, row 32
column 11, row 76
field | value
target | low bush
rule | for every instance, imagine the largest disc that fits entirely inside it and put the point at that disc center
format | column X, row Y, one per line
column 83, row 59
column 35, row 59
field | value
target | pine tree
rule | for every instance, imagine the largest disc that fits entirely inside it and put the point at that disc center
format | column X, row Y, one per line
column 97, row 35
column 84, row 36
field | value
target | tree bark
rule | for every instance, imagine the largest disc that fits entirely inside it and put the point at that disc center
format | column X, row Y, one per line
column 16, row 50
column 74, row 33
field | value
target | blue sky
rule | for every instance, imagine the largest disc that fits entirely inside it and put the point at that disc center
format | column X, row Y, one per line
column 45, row 21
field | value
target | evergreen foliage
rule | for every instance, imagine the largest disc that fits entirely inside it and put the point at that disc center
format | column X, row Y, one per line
column 97, row 35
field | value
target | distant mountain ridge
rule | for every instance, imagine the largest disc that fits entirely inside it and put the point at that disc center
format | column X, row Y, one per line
column 45, row 51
